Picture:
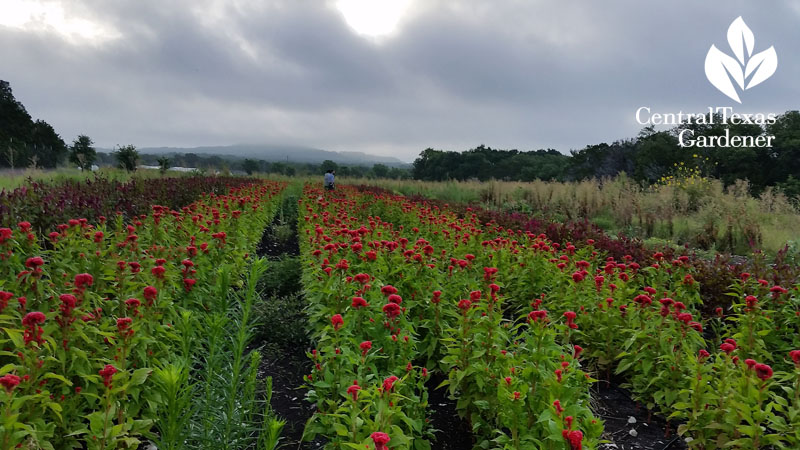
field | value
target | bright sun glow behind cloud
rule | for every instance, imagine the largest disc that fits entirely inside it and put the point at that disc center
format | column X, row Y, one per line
column 373, row 18
column 51, row 17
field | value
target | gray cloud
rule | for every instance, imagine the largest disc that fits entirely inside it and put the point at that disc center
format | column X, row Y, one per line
column 511, row 74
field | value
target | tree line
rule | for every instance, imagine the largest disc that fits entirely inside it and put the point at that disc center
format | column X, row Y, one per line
column 646, row 158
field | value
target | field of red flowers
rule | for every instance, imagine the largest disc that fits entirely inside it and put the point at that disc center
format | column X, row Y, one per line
column 520, row 327
column 95, row 315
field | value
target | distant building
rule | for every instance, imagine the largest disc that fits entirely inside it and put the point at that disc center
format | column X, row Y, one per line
column 174, row 169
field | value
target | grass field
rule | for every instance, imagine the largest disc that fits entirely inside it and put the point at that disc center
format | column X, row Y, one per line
column 702, row 214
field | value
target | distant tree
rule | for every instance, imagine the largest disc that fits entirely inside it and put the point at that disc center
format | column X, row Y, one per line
column 250, row 166
column 290, row 171
column 47, row 147
column 191, row 160
column 127, row 157
column 82, row 153
column 380, row 171
column 163, row 164
column 328, row 165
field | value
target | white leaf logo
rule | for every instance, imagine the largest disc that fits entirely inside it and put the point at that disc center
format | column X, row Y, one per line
column 723, row 70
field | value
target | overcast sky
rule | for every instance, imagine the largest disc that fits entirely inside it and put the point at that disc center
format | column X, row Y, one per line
column 390, row 79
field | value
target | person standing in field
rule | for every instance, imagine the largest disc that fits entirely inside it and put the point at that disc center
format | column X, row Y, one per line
column 328, row 180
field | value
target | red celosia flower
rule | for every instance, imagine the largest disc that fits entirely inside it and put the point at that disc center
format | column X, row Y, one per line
column 388, row 384
column 353, row 390
column 392, row 310
column 133, row 303
column 394, row 298
column 150, row 294
column 83, row 280
column 33, row 330
column 557, row 405
column 362, row 278
column 9, row 382
column 4, row 298
column 558, row 375
column 123, row 326
column 763, row 371
column 578, row 350
column 365, row 347
column 517, row 395
column 34, row 262
column 464, row 305
column 702, row 355
column 538, row 315
column 188, row 284
column 577, row 277
column 388, row 290
column 158, row 271
column 795, row 355
column 570, row 316
column 337, row 321
column 575, row 439
column 751, row 301
column 436, row 296
column 380, row 440
column 136, row 267
column 359, row 302
column 750, row 363
column 107, row 373
column 727, row 348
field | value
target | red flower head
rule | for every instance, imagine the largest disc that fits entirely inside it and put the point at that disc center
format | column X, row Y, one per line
column 578, row 350
column 133, row 303
column 107, row 373
column 337, row 321
column 437, row 295
column 727, row 348
column 150, row 294
column 751, row 301
column 380, row 440
column 751, row 363
column 388, row 384
column 188, row 284
column 795, row 355
column 578, row 277
column 388, row 290
column 464, row 305
column 4, row 298
column 570, row 316
column 394, row 298
column 35, row 262
column 359, row 302
column 9, row 382
column 517, row 395
column 575, row 439
column 538, row 315
column 392, row 310
column 362, row 278
column 489, row 273
column 124, row 326
column 702, row 355
column 353, row 390
column 365, row 347
column 33, row 330
column 763, row 371
column 83, row 280
column 158, row 271
column 557, row 406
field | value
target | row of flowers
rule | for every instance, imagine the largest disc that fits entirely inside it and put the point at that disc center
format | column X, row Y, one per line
column 482, row 304
column 390, row 303
column 86, row 319
column 45, row 205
